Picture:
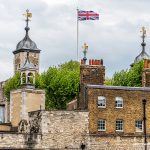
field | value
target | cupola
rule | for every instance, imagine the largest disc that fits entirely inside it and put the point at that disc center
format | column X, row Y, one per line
column 28, row 72
column 26, row 44
column 143, row 55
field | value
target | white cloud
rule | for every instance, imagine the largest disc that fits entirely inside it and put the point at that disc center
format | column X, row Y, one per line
column 115, row 37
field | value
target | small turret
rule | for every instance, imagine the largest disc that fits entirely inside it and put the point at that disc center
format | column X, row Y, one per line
column 143, row 55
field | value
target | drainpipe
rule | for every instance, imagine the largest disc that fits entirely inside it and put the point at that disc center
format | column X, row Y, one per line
column 144, row 123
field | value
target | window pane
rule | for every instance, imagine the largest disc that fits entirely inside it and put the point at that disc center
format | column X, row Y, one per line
column 119, row 125
column 139, row 126
column 101, row 101
column 101, row 125
column 119, row 102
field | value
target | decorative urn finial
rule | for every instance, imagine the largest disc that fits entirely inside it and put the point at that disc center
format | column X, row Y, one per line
column 85, row 49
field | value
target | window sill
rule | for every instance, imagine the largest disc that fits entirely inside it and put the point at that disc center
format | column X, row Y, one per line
column 101, row 106
column 118, row 107
column 119, row 130
column 101, row 130
column 139, row 131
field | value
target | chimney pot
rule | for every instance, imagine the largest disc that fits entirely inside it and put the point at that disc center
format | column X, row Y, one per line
column 101, row 61
column 90, row 62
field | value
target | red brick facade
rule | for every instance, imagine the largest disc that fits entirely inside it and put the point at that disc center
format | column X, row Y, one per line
column 130, row 112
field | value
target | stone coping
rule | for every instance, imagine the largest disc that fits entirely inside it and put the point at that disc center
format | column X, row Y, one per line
column 118, row 135
column 58, row 111
column 20, row 89
column 118, row 87
column 5, row 124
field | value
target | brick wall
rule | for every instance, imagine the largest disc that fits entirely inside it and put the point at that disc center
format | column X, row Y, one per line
column 132, row 109
column 94, row 73
column 146, row 73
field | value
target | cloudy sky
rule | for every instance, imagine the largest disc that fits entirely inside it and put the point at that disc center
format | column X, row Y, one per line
column 115, row 38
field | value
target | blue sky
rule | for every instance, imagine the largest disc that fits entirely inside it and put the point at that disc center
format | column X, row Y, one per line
column 115, row 38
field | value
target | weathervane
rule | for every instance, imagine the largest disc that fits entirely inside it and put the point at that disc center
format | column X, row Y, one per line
column 85, row 49
column 143, row 38
column 27, row 15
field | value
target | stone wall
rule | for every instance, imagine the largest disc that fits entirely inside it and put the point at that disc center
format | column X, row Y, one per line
column 66, row 130
column 23, row 101
column 20, row 58
column 117, row 143
column 8, row 140
column 62, row 129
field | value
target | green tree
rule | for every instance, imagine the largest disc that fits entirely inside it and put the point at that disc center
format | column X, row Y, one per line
column 60, row 83
column 135, row 75
column 120, row 78
column 131, row 77
column 12, row 83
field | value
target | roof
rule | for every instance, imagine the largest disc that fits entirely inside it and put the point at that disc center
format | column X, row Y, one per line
column 118, row 87
column 26, row 44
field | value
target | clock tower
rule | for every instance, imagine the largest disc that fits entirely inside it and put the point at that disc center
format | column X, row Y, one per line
column 26, row 45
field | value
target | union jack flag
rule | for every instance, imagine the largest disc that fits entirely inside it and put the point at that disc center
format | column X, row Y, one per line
column 87, row 15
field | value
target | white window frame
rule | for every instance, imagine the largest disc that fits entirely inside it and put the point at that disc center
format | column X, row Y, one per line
column 101, row 124
column 138, row 125
column 118, row 102
column 119, row 122
column 101, row 100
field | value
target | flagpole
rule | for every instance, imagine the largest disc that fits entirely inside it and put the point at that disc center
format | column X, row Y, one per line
column 77, row 35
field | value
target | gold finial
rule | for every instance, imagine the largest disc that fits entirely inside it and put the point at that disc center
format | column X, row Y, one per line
column 28, row 14
column 85, row 47
column 143, row 31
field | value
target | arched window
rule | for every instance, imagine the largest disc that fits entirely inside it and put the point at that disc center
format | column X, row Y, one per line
column 30, row 78
column 23, row 78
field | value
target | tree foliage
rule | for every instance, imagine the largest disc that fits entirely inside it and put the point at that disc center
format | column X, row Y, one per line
column 60, row 83
column 131, row 77
column 12, row 83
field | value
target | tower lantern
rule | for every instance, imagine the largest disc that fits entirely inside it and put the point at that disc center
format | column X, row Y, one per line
column 28, row 72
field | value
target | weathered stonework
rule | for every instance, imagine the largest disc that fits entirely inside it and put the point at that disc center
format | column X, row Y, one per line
column 20, row 58
column 23, row 101
column 62, row 129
